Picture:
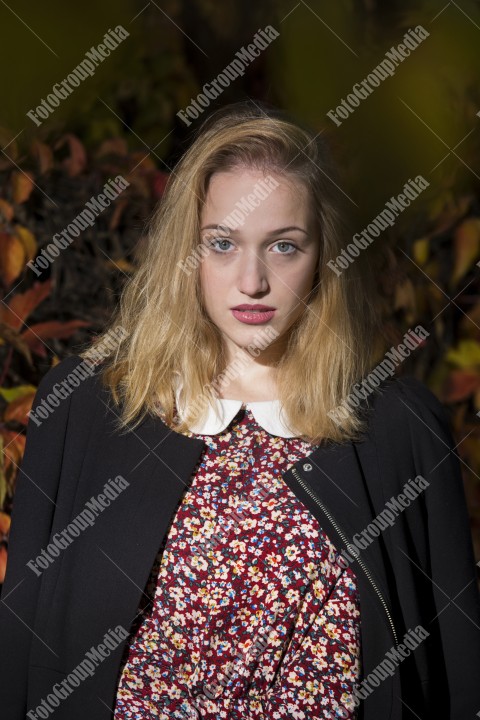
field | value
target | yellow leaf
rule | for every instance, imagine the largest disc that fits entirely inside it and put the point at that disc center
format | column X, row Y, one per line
column 12, row 257
column 466, row 355
column 28, row 241
column 421, row 250
column 120, row 264
column 22, row 186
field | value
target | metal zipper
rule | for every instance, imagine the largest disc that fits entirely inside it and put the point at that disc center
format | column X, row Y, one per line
column 313, row 495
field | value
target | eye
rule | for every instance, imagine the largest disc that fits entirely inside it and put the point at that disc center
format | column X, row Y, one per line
column 212, row 244
column 284, row 243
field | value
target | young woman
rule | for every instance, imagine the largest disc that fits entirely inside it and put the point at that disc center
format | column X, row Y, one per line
column 240, row 512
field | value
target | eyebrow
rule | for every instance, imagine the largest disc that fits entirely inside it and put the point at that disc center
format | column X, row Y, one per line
column 231, row 231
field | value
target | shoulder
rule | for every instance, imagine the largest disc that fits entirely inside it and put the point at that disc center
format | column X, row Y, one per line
column 409, row 435
column 74, row 370
column 406, row 389
column 73, row 381
column 402, row 404
column 59, row 372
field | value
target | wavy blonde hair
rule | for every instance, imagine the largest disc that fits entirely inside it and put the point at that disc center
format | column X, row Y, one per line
column 330, row 347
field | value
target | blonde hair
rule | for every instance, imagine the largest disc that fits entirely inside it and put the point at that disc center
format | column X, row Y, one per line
column 330, row 347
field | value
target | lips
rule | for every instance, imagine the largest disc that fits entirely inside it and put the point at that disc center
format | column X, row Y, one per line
column 253, row 314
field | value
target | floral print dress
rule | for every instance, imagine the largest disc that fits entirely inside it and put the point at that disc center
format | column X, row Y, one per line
column 246, row 614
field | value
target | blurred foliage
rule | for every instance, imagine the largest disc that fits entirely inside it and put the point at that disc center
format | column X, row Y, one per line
column 425, row 112
column 39, row 316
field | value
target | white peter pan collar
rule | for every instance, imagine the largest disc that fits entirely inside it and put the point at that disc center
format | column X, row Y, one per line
column 267, row 413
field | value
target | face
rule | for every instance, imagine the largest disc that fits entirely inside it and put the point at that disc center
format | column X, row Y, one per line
column 267, row 258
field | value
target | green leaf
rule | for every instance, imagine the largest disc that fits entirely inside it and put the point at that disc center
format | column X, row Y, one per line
column 10, row 394
column 466, row 354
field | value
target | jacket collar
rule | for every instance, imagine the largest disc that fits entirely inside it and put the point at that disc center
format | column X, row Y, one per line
column 219, row 414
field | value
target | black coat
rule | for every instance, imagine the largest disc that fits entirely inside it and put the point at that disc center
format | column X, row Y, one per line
column 419, row 571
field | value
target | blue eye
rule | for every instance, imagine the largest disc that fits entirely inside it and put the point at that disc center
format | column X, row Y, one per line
column 283, row 242
column 219, row 240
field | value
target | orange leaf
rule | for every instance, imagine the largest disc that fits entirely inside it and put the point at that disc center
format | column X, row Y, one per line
column 6, row 211
column 3, row 562
column 22, row 186
column 466, row 243
column 12, row 258
column 17, row 410
column 76, row 162
column 22, row 304
column 4, row 524
column 460, row 385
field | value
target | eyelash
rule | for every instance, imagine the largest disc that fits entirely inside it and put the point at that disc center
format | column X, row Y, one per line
column 220, row 252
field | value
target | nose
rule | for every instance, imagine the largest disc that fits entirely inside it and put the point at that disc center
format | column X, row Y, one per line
column 252, row 275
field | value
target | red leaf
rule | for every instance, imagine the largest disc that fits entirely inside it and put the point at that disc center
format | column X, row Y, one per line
column 34, row 335
column 159, row 182
column 22, row 304
column 18, row 409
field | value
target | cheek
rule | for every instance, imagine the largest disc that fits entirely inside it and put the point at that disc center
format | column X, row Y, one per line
column 299, row 281
column 207, row 276
column 210, row 280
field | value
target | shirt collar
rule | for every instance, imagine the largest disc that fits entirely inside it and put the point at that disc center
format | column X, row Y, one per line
column 267, row 413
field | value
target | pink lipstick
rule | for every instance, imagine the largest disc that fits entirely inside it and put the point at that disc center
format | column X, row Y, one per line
column 253, row 314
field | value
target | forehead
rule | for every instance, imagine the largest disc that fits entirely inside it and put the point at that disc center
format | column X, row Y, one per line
column 259, row 196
